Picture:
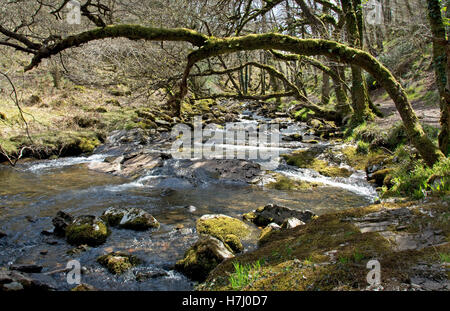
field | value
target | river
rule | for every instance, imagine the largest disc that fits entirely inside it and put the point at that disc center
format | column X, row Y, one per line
column 33, row 192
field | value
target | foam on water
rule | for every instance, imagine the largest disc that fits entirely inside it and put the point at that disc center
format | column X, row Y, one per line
column 356, row 183
column 62, row 162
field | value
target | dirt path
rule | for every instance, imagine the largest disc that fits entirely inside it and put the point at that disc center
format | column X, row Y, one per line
column 427, row 112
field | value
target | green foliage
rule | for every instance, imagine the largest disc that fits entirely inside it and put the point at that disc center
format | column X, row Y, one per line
column 303, row 114
column 417, row 180
column 362, row 147
column 355, row 257
column 244, row 274
column 444, row 257
column 370, row 134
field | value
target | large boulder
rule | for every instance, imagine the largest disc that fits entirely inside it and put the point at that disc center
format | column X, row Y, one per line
column 130, row 165
column 203, row 257
column 2, row 234
column 129, row 218
column 225, row 228
column 118, row 262
column 87, row 229
column 273, row 213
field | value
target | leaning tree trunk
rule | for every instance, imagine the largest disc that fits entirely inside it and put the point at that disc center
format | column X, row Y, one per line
column 440, row 47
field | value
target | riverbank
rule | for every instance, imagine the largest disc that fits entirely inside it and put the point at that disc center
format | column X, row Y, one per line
column 410, row 240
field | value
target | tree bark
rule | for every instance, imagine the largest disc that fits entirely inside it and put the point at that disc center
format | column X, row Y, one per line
column 440, row 48
column 360, row 101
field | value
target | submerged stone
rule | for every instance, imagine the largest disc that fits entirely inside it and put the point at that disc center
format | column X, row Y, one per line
column 31, row 268
column 84, row 288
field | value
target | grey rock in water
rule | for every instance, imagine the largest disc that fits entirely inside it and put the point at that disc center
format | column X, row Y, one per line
column 60, row 222
column 273, row 213
column 11, row 280
column 129, row 218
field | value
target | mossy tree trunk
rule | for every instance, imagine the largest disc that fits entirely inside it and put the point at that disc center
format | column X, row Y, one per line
column 325, row 89
column 360, row 94
column 440, row 62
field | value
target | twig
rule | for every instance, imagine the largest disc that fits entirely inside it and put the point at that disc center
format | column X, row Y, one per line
column 16, row 102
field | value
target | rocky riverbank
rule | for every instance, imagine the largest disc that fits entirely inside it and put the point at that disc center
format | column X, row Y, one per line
column 409, row 239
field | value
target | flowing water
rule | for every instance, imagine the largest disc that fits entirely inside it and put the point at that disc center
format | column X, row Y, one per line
column 32, row 193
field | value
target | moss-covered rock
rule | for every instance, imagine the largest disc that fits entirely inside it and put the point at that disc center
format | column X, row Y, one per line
column 88, row 145
column 118, row 262
column 249, row 216
column 267, row 232
column 203, row 257
column 221, row 226
column 129, row 218
column 315, row 123
column 335, row 171
column 308, row 159
column 87, row 229
column 234, row 243
column 377, row 163
column 329, row 252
